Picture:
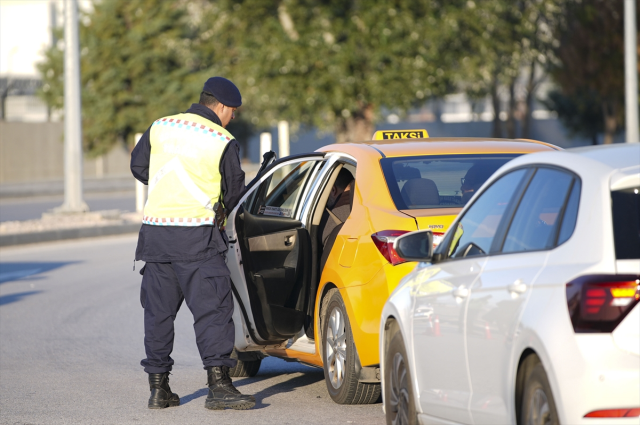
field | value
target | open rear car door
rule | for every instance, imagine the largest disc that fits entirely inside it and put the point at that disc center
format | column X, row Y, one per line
column 269, row 254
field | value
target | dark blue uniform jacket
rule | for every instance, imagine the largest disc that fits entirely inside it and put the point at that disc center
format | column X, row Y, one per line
column 175, row 243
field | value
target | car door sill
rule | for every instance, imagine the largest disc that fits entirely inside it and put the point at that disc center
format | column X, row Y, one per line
column 303, row 344
column 432, row 420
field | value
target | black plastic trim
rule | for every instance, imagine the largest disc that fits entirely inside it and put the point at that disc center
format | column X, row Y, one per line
column 252, row 333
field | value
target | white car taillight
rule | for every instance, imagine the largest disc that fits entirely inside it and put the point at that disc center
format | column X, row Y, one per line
column 598, row 303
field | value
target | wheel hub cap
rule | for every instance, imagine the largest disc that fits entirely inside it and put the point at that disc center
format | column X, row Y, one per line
column 399, row 394
column 336, row 348
column 539, row 412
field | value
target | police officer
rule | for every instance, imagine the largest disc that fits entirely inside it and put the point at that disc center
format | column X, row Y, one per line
column 190, row 162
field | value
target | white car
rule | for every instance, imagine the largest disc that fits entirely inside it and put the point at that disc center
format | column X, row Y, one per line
column 527, row 312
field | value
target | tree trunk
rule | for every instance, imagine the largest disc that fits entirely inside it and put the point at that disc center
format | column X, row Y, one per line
column 495, row 100
column 528, row 103
column 511, row 119
column 358, row 127
column 610, row 121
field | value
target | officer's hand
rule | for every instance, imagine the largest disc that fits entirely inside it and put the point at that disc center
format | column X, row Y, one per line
column 267, row 158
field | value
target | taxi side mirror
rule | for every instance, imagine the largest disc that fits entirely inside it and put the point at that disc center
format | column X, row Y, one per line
column 415, row 246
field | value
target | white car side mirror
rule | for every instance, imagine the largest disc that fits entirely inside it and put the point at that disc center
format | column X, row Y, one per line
column 415, row 246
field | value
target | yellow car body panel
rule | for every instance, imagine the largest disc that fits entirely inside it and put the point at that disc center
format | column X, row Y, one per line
column 363, row 276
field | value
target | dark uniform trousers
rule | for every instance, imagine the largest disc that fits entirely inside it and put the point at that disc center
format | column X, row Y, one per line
column 208, row 296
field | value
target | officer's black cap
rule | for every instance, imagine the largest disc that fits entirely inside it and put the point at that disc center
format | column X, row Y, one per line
column 224, row 90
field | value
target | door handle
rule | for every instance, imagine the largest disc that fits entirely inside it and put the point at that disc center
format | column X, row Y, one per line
column 461, row 292
column 517, row 287
column 288, row 240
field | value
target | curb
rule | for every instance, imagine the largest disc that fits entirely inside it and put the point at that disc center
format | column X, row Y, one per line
column 56, row 187
column 65, row 234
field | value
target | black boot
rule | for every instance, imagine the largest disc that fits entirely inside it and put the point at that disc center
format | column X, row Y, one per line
column 161, row 395
column 222, row 393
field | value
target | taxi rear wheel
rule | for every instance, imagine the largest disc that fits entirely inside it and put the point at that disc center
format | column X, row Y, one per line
column 339, row 355
column 244, row 368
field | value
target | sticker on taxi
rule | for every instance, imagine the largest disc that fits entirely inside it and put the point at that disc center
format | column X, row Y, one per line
column 400, row 134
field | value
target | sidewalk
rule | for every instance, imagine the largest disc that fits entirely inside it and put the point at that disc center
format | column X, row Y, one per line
column 53, row 227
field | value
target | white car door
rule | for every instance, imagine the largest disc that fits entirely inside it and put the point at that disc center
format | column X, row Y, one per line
column 268, row 250
column 439, row 310
column 498, row 297
column 438, row 335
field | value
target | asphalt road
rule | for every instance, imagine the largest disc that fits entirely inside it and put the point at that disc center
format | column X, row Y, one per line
column 71, row 336
column 32, row 208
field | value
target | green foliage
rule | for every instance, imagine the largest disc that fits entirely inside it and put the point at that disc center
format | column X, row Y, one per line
column 132, row 69
column 332, row 63
column 52, row 72
column 329, row 64
column 507, row 37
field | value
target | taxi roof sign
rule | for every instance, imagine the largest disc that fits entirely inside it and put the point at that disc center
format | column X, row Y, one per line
column 400, row 134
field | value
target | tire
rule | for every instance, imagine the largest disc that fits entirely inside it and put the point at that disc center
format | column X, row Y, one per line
column 399, row 400
column 244, row 368
column 538, row 405
column 339, row 356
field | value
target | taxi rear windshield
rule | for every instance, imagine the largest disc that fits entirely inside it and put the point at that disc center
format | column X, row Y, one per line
column 443, row 181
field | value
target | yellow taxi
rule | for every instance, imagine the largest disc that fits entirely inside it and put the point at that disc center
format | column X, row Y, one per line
column 311, row 246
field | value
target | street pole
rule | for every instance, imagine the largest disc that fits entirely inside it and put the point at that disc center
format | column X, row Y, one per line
column 283, row 139
column 73, row 202
column 265, row 143
column 631, row 71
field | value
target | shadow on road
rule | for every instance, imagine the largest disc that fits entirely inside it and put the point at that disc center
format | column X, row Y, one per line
column 282, row 387
column 11, row 298
column 16, row 271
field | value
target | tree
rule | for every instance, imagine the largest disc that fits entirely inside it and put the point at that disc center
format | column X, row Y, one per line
column 132, row 69
column 508, row 38
column 580, row 114
column 334, row 64
column 590, row 62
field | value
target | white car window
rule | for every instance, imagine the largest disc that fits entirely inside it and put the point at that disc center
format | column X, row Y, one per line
column 570, row 214
column 535, row 222
column 475, row 231
column 625, row 205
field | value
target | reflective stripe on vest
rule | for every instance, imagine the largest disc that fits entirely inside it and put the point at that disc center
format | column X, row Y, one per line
column 184, row 176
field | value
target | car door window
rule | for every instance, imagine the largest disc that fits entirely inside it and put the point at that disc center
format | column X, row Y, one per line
column 476, row 230
column 570, row 214
column 280, row 194
column 535, row 222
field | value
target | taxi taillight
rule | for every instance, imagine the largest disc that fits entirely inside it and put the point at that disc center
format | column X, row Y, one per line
column 437, row 238
column 383, row 240
column 598, row 303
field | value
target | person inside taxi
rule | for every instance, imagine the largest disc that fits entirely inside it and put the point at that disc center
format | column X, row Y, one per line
column 336, row 212
column 475, row 177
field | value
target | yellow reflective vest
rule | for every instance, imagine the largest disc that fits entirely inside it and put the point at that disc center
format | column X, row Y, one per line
column 184, row 170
